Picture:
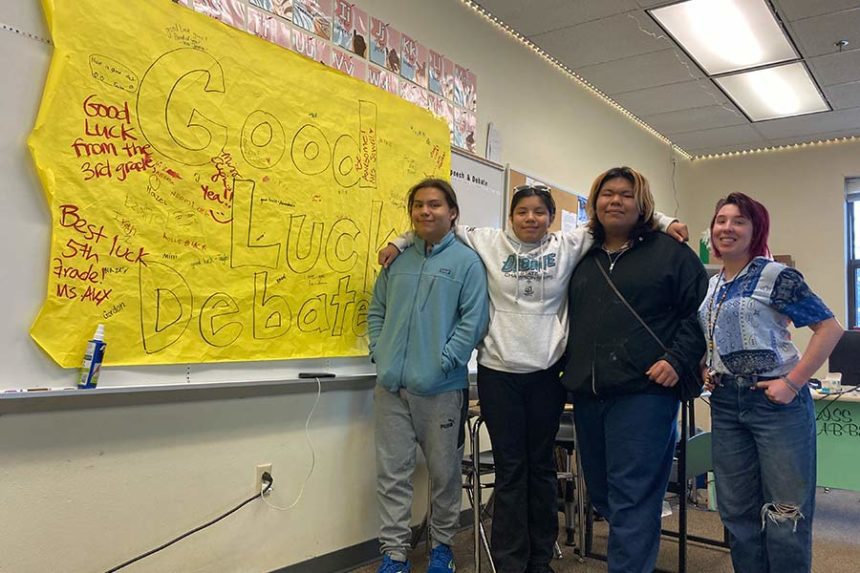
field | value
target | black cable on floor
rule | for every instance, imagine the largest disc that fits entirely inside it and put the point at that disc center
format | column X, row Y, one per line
column 193, row 531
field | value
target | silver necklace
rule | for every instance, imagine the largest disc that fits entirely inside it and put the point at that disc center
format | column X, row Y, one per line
column 616, row 254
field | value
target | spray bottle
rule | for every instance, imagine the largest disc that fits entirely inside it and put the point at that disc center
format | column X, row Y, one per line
column 93, row 359
column 705, row 246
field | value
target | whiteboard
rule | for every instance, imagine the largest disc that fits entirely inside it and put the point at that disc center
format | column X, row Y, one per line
column 25, row 237
column 480, row 187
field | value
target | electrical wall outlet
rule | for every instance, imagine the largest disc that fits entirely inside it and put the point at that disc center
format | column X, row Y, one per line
column 258, row 480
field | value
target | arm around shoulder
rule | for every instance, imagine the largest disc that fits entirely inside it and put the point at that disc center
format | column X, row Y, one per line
column 473, row 237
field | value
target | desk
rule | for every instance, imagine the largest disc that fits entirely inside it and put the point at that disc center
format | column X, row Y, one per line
column 838, row 430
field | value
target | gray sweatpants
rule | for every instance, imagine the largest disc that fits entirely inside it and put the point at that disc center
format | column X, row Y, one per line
column 436, row 423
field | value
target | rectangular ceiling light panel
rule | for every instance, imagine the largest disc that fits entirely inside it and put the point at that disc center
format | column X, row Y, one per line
column 780, row 91
column 726, row 35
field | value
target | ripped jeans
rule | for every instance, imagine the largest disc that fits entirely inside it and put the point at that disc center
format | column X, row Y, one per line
column 764, row 467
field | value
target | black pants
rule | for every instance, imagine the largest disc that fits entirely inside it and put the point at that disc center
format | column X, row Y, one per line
column 522, row 413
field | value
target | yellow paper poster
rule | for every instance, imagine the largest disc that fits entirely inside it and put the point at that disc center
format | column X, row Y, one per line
column 213, row 197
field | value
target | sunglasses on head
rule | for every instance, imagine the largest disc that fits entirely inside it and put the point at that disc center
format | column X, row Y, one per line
column 543, row 189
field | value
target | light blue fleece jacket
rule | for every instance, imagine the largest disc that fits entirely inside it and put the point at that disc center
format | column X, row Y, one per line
column 428, row 313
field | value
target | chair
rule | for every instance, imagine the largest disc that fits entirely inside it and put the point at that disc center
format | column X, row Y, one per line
column 473, row 467
column 693, row 458
column 573, row 501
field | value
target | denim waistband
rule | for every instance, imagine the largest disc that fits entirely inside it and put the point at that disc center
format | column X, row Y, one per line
column 747, row 380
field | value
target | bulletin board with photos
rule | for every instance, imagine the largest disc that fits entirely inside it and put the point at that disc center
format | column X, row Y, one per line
column 570, row 206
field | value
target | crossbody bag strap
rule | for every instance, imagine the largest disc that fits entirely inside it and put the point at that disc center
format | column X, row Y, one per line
column 627, row 304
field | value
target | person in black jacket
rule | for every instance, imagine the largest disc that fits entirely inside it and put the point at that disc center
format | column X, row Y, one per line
column 625, row 382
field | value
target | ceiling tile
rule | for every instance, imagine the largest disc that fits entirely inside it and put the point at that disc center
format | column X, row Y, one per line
column 644, row 71
column 817, row 137
column 799, row 9
column 646, row 4
column 835, row 69
column 741, row 136
column 815, row 36
column 807, row 125
column 674, row 97
column 540, row 16
column 612, row 44
column 843, row 96
column 688, row 120
column 586, row 44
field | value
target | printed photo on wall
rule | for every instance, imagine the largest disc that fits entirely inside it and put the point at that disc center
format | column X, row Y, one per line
column 378, row 41
column 392, row 59
column 448, row 79
column 264, row 4
column 409, row 53
column 349, row 29
column 359, row 32
column 348, row 63
column 283, row 8
column 312, row 47
column 434, row 73
column 461, row 86
column 465, row 124
column 382, row 79
column 231, row 12
column 471, row 91
column 414, row 64
column 440, row 107
column 268, row 27
column 313, row 16
column 582, row 213
column 341, row 32
column 414, row 94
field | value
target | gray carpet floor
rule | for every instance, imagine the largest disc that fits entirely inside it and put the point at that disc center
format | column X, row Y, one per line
column 836, row 543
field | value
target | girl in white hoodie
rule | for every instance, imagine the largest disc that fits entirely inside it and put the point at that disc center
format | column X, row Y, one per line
column 519, row 360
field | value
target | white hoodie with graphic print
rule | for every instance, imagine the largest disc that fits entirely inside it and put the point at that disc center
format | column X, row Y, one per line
column 528, row 293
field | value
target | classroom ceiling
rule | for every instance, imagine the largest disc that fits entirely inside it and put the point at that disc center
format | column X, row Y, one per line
column 617, row 47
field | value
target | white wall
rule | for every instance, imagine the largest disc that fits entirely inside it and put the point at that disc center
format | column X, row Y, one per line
column 86, row 489
column 550, row 125
column 804, row 191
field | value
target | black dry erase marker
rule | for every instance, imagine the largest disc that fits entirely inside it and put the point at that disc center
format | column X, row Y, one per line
column 316, row 375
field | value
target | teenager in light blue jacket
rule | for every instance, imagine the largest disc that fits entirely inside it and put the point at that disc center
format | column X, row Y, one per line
column 429, row 311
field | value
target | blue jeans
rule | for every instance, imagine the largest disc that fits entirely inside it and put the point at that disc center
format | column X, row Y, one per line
column 764, row 467
column 626, row 444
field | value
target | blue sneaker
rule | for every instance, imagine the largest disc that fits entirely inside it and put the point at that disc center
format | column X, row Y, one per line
column 389, row 565
column 441, row 560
